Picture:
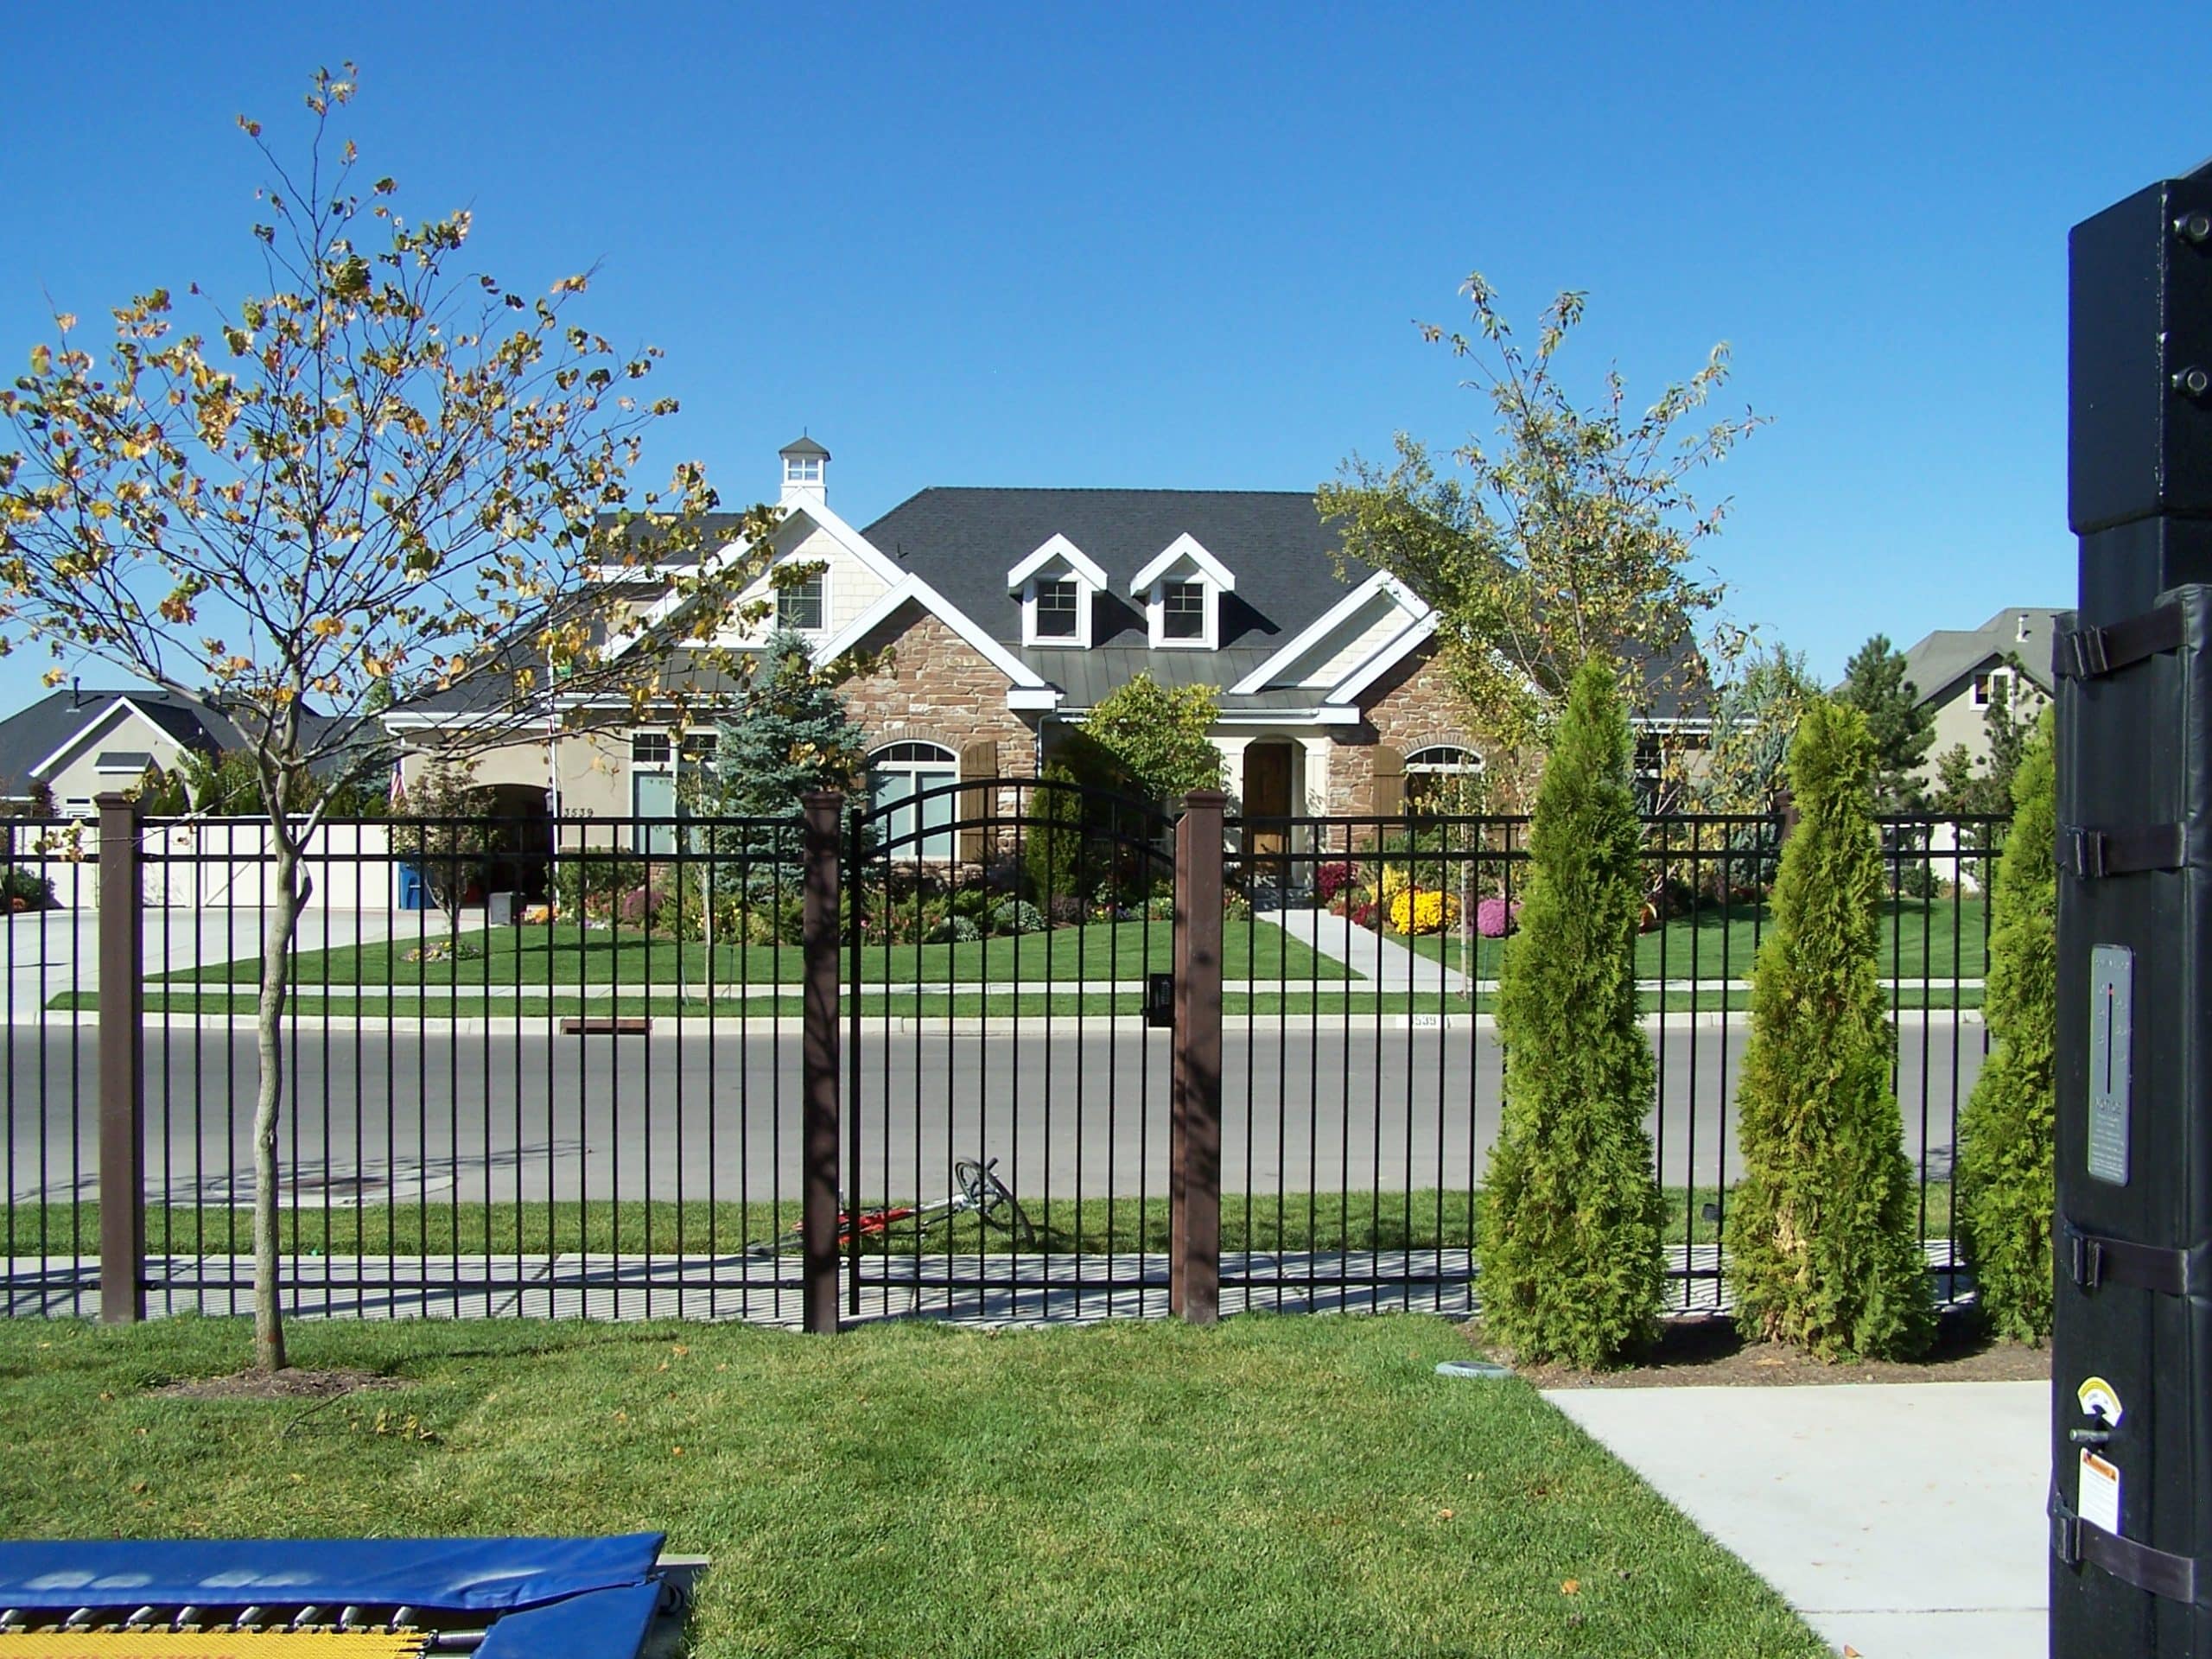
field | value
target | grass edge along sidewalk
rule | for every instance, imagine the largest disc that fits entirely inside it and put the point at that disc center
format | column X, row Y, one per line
column 449, row 1223
column 1273, row 1485
column 1352, row 1000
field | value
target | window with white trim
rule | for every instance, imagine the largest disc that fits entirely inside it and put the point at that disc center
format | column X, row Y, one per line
column 1182, row 589
column 1442, row 777
column 652, row 792
column 1059, row 609
column 802, row 469
column 799, row 604
column 914, row 809
column 1987, row 684
column 1183, row 610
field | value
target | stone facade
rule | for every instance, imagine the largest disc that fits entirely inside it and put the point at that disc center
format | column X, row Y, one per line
column 1411, row 707
column 932, row 686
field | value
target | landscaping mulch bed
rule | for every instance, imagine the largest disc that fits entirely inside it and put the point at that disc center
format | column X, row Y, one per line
column 290, row 1383
column 1709, row 1353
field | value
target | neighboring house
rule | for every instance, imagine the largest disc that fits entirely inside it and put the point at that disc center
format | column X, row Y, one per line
column 81, row 744
column 999, row 618
column 1958, row 672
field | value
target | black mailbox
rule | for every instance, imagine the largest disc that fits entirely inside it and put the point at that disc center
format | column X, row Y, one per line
column 1160, row 1001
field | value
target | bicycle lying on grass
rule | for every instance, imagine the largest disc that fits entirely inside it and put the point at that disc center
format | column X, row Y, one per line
column 980, row 1193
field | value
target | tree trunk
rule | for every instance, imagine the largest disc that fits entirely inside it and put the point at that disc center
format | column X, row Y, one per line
column 276, row 977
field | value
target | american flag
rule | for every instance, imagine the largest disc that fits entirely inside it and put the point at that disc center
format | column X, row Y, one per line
column 398, row 788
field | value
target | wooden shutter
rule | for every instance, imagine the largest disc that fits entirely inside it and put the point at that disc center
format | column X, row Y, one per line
column 978, row 760
column 1388, row 795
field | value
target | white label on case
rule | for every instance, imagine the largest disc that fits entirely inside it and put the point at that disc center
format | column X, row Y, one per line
column 2098, row 1500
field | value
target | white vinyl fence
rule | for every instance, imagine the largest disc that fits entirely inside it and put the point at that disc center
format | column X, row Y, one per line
column 213, row 863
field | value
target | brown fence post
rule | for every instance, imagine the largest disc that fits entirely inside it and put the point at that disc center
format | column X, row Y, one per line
column 818, row 1059
column 122, row 1066
column 1194, row 1176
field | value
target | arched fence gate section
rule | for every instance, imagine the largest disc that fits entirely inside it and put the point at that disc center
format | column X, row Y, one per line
column 1011, row 1050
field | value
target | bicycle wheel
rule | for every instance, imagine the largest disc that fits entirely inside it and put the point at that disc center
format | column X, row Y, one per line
column 994, row 1206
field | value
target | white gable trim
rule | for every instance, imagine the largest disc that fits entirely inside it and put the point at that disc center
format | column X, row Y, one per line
column 78, row 739
column 1385, row 659
column 911, row 586
column 889, row 571
column 1057, row 548
column 1185, row 546
column 1334, row 618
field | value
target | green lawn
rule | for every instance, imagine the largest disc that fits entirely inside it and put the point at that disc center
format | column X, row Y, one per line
column 1936, row 939
column 567, row 954
column 1271, row 1486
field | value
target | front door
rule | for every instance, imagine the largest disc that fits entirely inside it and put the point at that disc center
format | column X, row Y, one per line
column 1267, row 795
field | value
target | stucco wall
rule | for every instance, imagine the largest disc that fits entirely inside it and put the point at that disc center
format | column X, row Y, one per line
column 79, row 778
column 1959, row 720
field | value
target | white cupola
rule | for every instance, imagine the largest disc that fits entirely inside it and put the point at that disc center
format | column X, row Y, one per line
column 806, row 473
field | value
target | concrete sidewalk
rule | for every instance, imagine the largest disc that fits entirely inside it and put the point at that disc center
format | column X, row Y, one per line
column 1904, row 1521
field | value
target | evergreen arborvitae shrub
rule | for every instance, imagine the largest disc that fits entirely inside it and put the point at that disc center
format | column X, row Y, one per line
column 1052, row 845
column 2005, row 1189
column 1571, row 1255
column 1822, row 1244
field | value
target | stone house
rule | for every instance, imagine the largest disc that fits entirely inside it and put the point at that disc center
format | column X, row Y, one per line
column 997, row 619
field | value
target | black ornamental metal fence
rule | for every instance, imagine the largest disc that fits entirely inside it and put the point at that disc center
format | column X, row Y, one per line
column 1001, row 1050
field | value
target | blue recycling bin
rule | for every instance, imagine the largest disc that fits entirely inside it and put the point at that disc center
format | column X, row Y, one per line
column 414, row 892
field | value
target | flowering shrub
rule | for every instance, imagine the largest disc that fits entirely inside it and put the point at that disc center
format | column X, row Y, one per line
column 1495, row 918
column 1423, row 910
column 642, row 905
column 1332, row 878
column 1017, row 916
column 1363, row 913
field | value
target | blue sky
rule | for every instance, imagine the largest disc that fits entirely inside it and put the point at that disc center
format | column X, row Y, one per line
column 1182, row 246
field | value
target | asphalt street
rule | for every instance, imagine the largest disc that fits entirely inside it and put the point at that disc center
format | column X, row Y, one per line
column 397, row 1115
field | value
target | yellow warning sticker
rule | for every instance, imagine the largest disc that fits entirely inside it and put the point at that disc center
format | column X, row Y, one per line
column 2099, row 1398
column 53, row 1643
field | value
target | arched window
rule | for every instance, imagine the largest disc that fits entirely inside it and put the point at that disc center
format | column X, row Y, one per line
column 898, row 775
column 1442, row 777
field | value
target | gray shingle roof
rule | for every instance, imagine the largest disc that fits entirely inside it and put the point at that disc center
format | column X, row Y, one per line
column 962, row 542
column 1939, row 662
column 803, row 445
column 32, row 734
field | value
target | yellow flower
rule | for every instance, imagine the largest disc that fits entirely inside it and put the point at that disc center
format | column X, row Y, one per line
column 1423, row 910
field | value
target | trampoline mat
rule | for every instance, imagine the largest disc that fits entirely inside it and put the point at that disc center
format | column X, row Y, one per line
column 56, row 1642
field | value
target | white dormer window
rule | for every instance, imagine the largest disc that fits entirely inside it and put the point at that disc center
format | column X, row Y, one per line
column 1182, row 610
column 1055, row 586
column 799, row 605
column 1059, row 609
column 1181, row 590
